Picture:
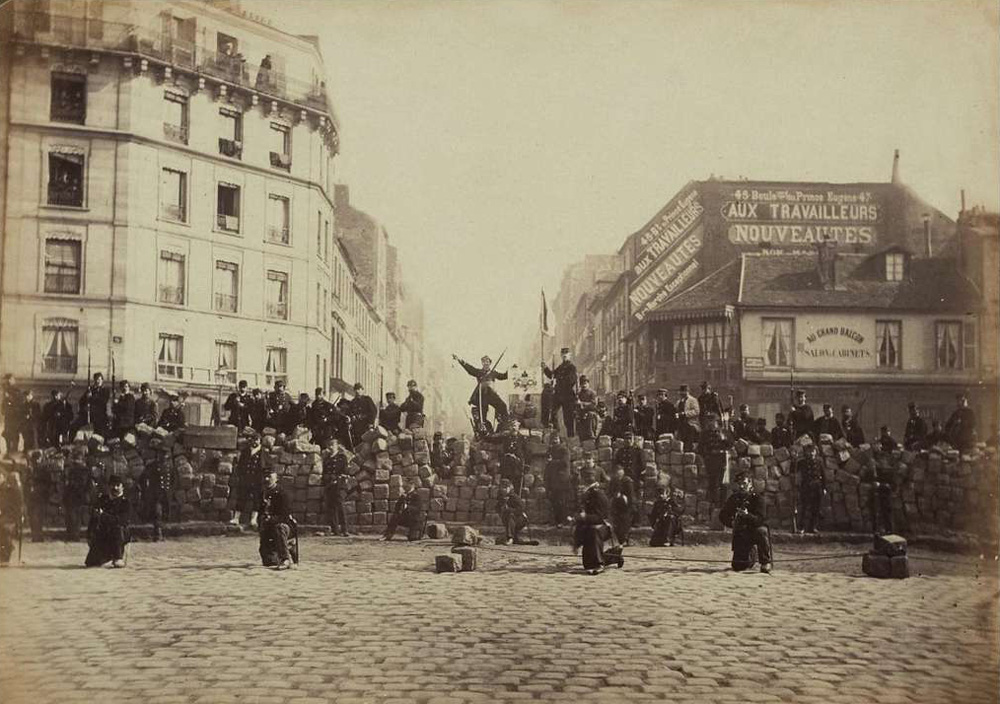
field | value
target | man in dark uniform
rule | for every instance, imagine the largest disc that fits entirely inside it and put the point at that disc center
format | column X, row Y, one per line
column 781, row 436
column 109, row 531
column 644, row 419
column 258, row 410
column 623, row 418
column 763, row 434
column 745, row 426
column 336, row 488
column 76, row 494
column 441, row 456
column 587, row 410
column 484, row 397
column 363, row 412
column 320, row 418
column 629, row 457
column 961, row 425
column 558, row 482
column 11, row 511
column 57, row 419
column 172, row 419
column 155, row 483
column 593, row 530
column 812, row 486
column 885, row 442
column 278, row 403
column 665, row 517
column 277, row 525
column 852, row 429
column 31, row 421
column 590, row 472
column 123, row 410
column 145, row 406
column 744, row 513
column 413, row 406
column 714, row 446
column 238, row 406
column 623, row 504
column 666, row 413
column 882, row 477
column 548, row 399
column 709, row 402
column 406, row 513
column 298, row 414
column 937, row 436
column 915, row 435
column 94, row 403
column 11, row 405
column 390, row 416
column 247, row 480
column 827, row 424
column 565, row 392
column 39, row 490
column 513, row 517
column 800, row 418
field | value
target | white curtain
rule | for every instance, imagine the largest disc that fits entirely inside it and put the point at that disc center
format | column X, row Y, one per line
column 59, row 339
column 226, row 355
column 171, row 349
column 777, row 342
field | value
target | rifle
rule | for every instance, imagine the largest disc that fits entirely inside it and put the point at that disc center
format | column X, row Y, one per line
column 86, row 405
column 381, row 387
column 20, row 536
column 113, row 384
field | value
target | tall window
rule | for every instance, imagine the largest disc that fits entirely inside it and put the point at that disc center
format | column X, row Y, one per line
column 225, row 361
column 227, row 286
column 319, row 234
column 66, row 178
column 231, row 141
column 275, row 365
column 337, row 363
column 171, row 277
column 895, row 263
column 319, row 313
column 697, row 343
column 228, row 207
column 277, row 295
column 281, row 146
column 59, row 345
column 170, row 360
column 277, row 219
column 888, row 334
column 955, row 344
column 69, row 98
column 173, row 195
column 62, row 265
column 326, row 241
column 777, row 337
column 175, row 117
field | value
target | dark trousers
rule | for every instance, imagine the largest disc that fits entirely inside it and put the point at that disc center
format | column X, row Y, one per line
column 75, row 513
column 274, row 537
column 587, row 423
column 546, row 411
column 812, row 496
column 560, row 502
column 158, row 510
column 715, row 469
column 568, row 406
column 513, row 524
column 665, row 531
column 881, row 502
column 410, row 522
column 591, row 538
column 744, row 540
column 12, row 437
column 490, row 398
column 415, row 420
column 36, row 517
column 8, row 531
column 335, row 515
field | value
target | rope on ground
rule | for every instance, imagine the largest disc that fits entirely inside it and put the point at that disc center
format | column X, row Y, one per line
column 668, row 558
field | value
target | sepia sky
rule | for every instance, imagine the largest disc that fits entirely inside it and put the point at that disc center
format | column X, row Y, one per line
column 500, row 141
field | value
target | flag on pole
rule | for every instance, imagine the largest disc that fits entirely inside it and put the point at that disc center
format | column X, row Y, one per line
column 543, row 318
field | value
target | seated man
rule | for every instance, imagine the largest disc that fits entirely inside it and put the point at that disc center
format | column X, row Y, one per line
column 277, row 526
column 512, row 516
column 593, row 532
column 391, row 414
column 665, row 517
column 109, row 531
column 744, row 513
column 406, row 513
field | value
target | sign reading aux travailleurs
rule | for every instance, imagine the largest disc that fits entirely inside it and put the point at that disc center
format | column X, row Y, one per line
column 665, row 251
column 801, row 215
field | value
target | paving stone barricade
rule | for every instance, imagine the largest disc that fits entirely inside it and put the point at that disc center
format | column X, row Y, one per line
column 932, row 489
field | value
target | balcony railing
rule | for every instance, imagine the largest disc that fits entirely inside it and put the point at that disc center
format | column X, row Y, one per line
column 281, row 161
column 175, row 133
column 226, row 303
column 231, row 148
column 81, row 32
column 172, row 294
column 62, row 283
column 277, row 234
column 170, row 371
column 59, row 365
column 172, row 211
column 66, row 194
column 277, row 310
column 71, row 108
column 230, row 223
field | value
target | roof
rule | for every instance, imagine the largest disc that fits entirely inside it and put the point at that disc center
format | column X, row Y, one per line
column 713, row 295
column 792, row 281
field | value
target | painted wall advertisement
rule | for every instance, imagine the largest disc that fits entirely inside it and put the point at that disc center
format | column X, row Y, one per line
column 836, row 346
column 800, row 216
column 666, row 248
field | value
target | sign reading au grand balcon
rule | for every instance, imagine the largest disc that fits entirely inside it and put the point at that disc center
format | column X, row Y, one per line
column 797, row 216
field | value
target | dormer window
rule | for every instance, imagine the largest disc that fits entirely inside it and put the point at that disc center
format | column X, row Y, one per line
column 895, row 266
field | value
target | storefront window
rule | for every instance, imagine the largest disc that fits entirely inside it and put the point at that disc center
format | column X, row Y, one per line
column 777, row 337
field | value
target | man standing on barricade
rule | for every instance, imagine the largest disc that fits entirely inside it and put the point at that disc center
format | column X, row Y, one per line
column 565, row 392
column 413, row 406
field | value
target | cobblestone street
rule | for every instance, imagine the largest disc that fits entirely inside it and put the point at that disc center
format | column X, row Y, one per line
column 198, row 620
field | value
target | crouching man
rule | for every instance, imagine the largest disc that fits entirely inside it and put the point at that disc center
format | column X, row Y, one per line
column 593, row 532
column 512, row 515
column 665, row 517
column 277, row 525
column 407, row 513
column 744, row 513
column 109, row 531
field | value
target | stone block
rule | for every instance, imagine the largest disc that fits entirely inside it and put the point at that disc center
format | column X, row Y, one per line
column 446, row 564
column 468, row 557
column 466, row 535
column 436, row 531
column 380, row 491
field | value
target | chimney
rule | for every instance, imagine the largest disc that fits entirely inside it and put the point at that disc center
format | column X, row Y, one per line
column 927, row 236
column 826, row 263
column 895, row 167
column 963, row 201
